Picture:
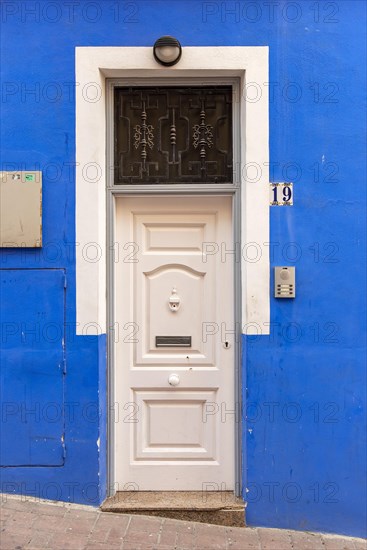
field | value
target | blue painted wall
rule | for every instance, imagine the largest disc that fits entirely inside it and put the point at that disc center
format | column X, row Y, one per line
column 32, row 367
column 304, row 462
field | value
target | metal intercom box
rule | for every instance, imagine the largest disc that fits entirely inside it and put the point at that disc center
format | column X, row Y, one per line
column 285, row 282
column 21, row 209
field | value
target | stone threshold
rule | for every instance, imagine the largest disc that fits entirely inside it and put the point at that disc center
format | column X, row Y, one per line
column 215, row 507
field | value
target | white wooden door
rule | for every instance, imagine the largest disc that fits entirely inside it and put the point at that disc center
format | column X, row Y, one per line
column 174, row 421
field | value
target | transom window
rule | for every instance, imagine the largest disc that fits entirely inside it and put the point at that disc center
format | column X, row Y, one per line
column 173, row 135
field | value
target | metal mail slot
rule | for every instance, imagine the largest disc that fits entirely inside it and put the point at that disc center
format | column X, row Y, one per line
column 173, row 341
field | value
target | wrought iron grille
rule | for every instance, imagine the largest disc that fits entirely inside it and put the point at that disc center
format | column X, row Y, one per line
column 173, row 135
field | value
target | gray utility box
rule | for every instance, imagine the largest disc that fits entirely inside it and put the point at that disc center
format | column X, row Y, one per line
column 21, row 209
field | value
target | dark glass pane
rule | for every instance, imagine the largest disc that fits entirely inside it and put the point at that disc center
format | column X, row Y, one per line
column 173, row 135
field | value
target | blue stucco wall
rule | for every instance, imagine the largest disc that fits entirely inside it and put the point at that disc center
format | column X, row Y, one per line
column 304, row 459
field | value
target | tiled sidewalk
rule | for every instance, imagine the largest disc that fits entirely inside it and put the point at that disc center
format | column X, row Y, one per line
column 40, row 525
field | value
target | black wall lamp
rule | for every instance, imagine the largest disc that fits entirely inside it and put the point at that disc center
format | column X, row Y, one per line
column 167, row 51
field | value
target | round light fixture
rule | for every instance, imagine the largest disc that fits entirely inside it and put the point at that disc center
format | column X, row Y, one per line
column 167, row 51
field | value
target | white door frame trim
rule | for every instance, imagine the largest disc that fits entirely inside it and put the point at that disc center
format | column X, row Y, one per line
column 114, row 192
column 93, row 66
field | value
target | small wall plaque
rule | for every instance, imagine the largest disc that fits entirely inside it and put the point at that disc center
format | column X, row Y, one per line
column 281, row 194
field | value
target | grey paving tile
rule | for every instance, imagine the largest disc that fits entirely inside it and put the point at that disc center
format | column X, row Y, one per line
column 39, row 526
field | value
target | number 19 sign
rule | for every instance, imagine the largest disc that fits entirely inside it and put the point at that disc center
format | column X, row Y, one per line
column 281, row 194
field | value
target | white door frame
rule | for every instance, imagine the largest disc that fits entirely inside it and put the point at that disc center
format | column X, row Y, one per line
column 174, row 189
column 248, row 66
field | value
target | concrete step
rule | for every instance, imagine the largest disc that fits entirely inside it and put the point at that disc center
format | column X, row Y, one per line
column 219, row 508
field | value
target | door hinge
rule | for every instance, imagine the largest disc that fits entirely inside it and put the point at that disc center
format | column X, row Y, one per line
column 64, row 366
column 65, row 281
column 63, row 449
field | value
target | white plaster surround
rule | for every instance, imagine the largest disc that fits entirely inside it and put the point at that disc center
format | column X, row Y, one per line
column 93, row 65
